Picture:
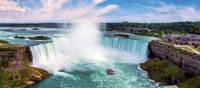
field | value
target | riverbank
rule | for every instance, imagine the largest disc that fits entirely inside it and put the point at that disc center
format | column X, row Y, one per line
column 173, row 65
column 15, row 68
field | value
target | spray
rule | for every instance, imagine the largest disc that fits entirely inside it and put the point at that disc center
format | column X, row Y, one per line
column 80, row 45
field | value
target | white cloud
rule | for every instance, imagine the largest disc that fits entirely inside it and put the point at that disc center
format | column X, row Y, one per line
column 53, row 5
column 107, row 9
column 98, row 1
column 6, row 5
column 53, row 10
column 162, row 13
column 187, row 13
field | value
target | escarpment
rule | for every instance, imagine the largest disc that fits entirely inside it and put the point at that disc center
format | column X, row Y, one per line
column 15, row 67
column 185, row 58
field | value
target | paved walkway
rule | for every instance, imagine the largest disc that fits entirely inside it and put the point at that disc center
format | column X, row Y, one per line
column 189, row 47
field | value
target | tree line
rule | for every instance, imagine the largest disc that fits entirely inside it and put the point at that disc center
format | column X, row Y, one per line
column 178, row 27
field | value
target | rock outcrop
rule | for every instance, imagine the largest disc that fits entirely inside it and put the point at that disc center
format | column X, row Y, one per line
column 15, row 69
column 11, row 56
column 185, row 58
column 163, row 71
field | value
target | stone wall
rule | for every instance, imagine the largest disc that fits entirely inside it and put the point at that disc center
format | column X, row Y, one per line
column 186, row 59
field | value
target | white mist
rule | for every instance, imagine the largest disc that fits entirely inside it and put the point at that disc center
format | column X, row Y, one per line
column 80, row 45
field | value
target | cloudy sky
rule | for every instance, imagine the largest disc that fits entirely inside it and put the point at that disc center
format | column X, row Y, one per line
column 109, row 10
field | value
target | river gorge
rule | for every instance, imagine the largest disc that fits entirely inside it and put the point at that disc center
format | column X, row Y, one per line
column 75, row 69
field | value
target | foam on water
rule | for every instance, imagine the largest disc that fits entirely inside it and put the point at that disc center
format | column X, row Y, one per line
column 63, row 54
column 124, row 55
column 83, row 58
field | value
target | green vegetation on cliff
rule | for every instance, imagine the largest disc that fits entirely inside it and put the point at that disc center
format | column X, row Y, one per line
column 2, row 41
column 21, row 78
column 8, row 47
column 24, row 75
column 166, row 72
column 179, row 48
column 197, row 48
column 182, row 56
column 163, row 71
column 191, row 83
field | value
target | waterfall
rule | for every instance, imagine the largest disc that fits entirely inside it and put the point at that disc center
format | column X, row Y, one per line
column 59, row 55
column 138, row 48
column 44, row 55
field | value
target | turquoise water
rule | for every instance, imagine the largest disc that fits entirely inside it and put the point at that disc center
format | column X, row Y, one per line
column 126, row 76
column 126, row 54
column 129, row 53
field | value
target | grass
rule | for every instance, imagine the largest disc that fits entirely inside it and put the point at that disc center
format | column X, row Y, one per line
column 163, row 71
column 191, row 83
column 181, row 49
column 197, row 48
column 155, row 34
column 19, row 78
column 9, row 47
column 3, row 41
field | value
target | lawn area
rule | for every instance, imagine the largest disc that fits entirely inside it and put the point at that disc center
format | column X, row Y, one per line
column 197, row 48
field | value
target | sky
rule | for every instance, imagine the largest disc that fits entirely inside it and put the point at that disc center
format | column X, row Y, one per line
column 108, row 10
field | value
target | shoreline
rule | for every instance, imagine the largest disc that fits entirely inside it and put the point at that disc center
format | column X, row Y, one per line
column 154, row 67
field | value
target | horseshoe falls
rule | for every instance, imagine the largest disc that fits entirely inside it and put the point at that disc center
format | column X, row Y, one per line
column 122, row 55
column 136, row 50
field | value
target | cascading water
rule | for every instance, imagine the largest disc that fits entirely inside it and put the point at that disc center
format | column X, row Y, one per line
column 136, row 49
column 57, row 57
column 79, row 59
column 124, row 53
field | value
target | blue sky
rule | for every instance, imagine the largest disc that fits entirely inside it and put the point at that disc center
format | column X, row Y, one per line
column 156, row 10
column 127, row 10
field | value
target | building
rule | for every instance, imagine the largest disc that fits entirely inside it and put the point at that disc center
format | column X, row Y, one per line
column 190, row 39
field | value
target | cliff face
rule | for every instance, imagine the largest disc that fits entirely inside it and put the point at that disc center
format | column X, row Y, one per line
column 186, row 59
column 11, row 56
column 15, row 69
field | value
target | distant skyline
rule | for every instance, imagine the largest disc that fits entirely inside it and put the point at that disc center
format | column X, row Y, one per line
column 119, row 10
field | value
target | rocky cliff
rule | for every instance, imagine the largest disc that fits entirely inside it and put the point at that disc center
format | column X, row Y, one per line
column 15, row 69
column 11, row 56
column 185, row 58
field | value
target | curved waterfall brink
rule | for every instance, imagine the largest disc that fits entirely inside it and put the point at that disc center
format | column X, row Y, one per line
column 59, row 55
column 82, row 70
column 138, row 49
